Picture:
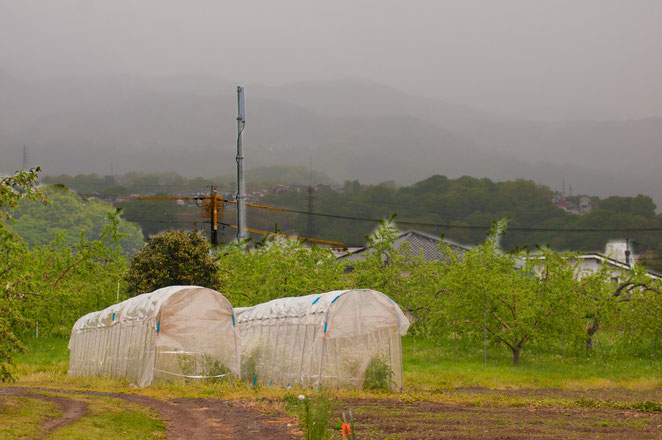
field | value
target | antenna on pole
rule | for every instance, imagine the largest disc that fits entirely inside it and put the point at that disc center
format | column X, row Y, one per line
column 25, row 157
column 241, row 207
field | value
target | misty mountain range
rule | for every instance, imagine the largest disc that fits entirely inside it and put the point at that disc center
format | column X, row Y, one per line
column 349, row 129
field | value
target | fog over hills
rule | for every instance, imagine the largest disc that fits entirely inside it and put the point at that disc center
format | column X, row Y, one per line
column 351, row 129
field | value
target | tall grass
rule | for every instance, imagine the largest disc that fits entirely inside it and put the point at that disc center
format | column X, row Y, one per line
column 432, row 364
column 429, row 365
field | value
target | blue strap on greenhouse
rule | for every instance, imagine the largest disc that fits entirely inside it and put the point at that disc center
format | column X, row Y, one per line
column 158, row 326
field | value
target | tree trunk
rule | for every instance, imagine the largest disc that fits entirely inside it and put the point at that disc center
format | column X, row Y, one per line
column 590, row 332
column 516, row 351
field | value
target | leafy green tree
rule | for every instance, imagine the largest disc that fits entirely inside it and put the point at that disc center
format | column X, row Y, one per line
column 275, row 268
column 57, row 283
column 384, row 267
column 172, row 258
column 513, row 297
column 69, row 215
column 636, row 305
column 21, row 185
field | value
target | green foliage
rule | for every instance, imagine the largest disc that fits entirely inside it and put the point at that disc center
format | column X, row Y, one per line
column 67, row 216
column 468, row 201
column 215, row 370
column 431, row 364
column 314, row 413
column 172, row 258
column 277, row 268
column 384, row 267
column 202, row 364
column 54, row 284
column 50, row 285
column 518, row 298
column 249, row 365
column 22, row 417
column 465, row 201
column 513, row 297
column 21, row 185
column 378, row 375
column 636, row 308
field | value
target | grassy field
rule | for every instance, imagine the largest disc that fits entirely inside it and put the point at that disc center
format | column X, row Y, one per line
column 20, row 417
column 92, row 417
column 429, row 368
column 614, row 396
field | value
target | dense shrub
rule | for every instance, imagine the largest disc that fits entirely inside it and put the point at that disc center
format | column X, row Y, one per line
column 172, row 258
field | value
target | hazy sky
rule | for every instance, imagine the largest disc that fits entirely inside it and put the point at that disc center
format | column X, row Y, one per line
column 554, row 59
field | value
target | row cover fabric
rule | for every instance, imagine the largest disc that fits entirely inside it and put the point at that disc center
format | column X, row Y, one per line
column 327, row 339
column 176, row 331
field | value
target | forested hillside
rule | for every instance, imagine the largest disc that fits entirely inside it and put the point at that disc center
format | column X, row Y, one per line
column 461, row 209
column 67, row 216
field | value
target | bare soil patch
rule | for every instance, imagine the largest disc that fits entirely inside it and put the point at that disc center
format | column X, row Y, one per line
column 612, row 394
column 206, row 418
column 390, row 419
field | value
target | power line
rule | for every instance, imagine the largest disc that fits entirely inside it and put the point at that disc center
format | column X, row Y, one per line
column 433, row 225
column 451, row 226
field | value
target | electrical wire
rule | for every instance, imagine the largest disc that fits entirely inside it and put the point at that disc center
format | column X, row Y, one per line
column 451, row 226
column 412, row 223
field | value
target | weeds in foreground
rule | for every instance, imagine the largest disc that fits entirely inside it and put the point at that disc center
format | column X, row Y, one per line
column 315, row 413
column 378, row 375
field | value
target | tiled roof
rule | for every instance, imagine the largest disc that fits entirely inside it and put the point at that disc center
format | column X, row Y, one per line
column 417, row 242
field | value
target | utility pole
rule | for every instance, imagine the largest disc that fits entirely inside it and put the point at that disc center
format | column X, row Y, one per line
column 241, row 207
column 213, row 236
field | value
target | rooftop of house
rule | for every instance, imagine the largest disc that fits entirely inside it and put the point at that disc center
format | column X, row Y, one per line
column 419, row 243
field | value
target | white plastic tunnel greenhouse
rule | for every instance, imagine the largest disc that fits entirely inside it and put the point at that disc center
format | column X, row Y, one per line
column 334, row 339
column 177, row 331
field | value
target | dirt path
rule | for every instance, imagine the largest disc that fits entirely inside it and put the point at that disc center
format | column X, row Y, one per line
column 71, row 409
column 185, row 418
column 205, row 418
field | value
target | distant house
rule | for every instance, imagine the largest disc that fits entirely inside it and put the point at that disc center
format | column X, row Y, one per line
column 322, row 187
column 592, row 262
column 278, row 189
column 614, row 258
column 419, row 243
column 585, row 205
